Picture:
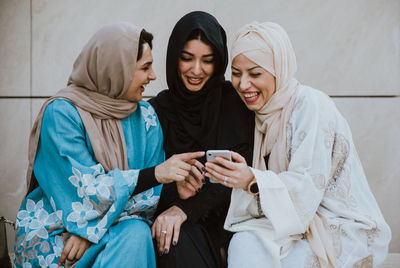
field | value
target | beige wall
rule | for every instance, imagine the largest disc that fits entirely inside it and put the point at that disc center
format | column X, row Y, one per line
column 349, row 49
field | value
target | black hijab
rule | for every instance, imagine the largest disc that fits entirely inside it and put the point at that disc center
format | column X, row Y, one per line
column 193, row 121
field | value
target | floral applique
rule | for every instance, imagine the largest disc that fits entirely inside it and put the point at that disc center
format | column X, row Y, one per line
column 149, row 116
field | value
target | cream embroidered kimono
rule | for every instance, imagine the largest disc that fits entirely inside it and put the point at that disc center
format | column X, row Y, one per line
column 324, row 175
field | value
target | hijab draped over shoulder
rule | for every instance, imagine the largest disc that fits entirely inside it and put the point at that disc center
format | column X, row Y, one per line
column 101, row 75
column 191, row 120
column 268, row 45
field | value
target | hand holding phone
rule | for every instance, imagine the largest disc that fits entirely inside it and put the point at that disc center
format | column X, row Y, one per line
column 212, row 154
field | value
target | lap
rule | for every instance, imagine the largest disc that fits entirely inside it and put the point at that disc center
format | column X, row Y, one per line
column 193, row 249
column 130, row 240
column 247, row 250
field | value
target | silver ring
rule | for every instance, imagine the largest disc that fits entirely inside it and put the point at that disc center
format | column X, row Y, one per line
column 164, row 231
column 225, row 179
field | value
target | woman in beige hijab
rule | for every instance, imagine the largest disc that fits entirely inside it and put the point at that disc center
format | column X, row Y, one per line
column 96, row 161
column 306, row 201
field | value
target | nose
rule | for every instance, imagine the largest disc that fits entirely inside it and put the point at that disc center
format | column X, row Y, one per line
column 196, row 69
column 152, row 75
column 244, row 83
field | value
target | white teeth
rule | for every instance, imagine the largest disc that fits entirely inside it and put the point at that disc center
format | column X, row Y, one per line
column 194, row 79
column 250, row 95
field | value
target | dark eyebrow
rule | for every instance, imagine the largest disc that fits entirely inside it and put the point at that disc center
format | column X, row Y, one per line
column 204, row 56
column 147, row 63
column 250, row 69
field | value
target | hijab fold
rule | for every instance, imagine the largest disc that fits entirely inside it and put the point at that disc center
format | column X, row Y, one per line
column 268, row 45
column 101, row 75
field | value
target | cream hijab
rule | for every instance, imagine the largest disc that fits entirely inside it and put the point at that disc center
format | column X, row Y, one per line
column 101, row 75
column 268, row 45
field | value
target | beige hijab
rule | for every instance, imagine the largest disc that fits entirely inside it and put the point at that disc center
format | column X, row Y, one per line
column 101, row 74
column 268, row 45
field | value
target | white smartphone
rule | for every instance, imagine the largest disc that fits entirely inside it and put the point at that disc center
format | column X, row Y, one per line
column 212, row 154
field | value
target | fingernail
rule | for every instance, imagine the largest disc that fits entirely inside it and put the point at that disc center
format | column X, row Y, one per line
column 174, row 243
column 159, row 253
column 204, row 169
column 203, row 180
column 166, row 251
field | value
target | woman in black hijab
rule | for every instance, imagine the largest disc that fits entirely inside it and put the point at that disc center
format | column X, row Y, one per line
column 199, row 111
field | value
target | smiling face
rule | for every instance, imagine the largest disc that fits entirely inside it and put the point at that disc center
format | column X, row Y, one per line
column 142, row 75
column 254, row 84
column 196, row 64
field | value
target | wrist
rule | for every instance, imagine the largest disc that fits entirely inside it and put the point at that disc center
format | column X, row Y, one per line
column 252, row 188
column 157, row 173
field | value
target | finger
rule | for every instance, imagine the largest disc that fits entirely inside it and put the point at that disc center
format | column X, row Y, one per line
column 192, row 182
column 177, row 230
column 162, row 240
column 72, row 253
column 81, row 251
column 226, row 163
column 198, row 174
column 189, row 156
column 238, row 158
column 184, row 166
column 189, row 186
column 65, row 252
column 168, row 238
column 219, row 170
column 153, row 231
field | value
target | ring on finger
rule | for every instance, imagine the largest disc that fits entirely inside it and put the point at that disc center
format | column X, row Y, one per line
column 164, row 231
column 225, row 180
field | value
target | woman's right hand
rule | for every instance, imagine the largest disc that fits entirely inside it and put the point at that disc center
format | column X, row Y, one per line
column 176, row 168
column 166, row 228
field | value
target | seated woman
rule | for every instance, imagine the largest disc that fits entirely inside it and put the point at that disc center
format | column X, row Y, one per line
column 306, row 201
column 96, row 161
column 199, row 111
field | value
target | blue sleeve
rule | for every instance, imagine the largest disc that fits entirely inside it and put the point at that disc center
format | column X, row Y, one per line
column 90, row 199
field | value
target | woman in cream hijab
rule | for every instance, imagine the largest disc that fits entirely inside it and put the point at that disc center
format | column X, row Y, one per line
column 306, row 201
column 96, row 161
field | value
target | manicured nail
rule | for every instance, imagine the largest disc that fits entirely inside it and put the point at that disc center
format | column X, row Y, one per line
column 204, row 169
column 166, row 251
column 160, row 253
column 174, row 243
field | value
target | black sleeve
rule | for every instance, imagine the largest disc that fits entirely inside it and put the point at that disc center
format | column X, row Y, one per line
column 146, row 180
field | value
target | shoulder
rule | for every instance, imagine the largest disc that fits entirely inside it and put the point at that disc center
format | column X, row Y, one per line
column 148, row 114
column 160, row 100
column 313, row 101
column 61, row 109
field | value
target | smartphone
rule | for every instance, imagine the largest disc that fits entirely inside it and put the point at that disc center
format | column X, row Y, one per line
column 212, row 154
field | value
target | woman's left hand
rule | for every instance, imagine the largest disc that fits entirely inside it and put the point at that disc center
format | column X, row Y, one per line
column 231, row 174
column 193, row 182
column 166, row 228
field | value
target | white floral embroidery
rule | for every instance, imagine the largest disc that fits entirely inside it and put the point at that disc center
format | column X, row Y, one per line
column 99, row 186
column 24, row 217
column 59, row 246
column 98, row 183
column 48, row 262
column 97, row 232
column 34, row 219
column 130, row 176
column 58, row 213
column 82, row 213
column 27, row 265
column 149, row 116
column 77, row 181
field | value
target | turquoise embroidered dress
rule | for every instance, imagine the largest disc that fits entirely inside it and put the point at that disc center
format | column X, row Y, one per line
column 76, row 196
